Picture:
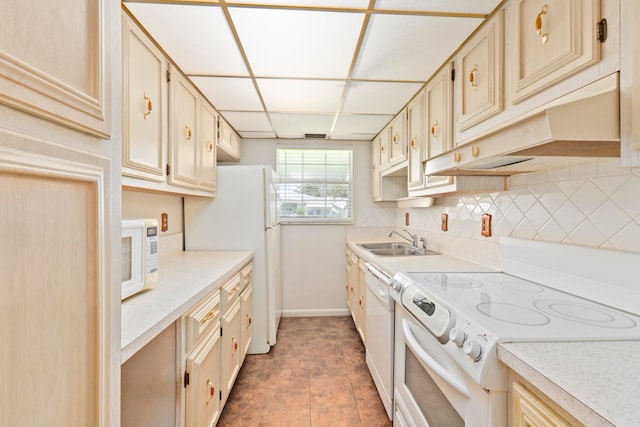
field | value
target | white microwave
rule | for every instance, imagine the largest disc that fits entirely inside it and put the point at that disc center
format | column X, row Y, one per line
column 139, row 262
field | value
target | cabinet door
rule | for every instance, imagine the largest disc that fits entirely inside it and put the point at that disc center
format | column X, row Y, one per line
column 143, row 105
column 246, row 316
column 183, row 108
column 230, row 350
column 398, row 138
column 203, row 392
column 531, row 411
column 375, row 168
column 228, row 143
column 362, row 303
column 479, row 83
column 415, row 126
column 438, row 105
column 552, row 39
column 384, row 148
column 207, row 157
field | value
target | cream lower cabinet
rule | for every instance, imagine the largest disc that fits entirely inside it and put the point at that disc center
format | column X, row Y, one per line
column 246, row 316
column 530, row 408
column 361, row 308
column 230, row 361
column 203, row 404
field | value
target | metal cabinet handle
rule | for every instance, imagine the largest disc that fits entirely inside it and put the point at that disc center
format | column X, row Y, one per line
column 456, row 157
column 210, row 315
column 472, row 77
column 188, row 133
column 543, row 36
column 209, row 147
column 395, row 138
column 212, row 391
column 413, row 143
column 434, row 130
column 248, row 320
column 148, row 106
column 475, row 151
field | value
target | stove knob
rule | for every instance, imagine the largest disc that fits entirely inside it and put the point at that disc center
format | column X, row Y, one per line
column 457, row 336
column 473, row 349
column 396, row 286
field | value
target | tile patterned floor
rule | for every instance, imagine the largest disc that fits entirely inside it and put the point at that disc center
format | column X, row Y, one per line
column 315, row 375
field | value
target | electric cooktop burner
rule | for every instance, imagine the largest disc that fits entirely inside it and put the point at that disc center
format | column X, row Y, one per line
column 587, row 314
column 513, row 313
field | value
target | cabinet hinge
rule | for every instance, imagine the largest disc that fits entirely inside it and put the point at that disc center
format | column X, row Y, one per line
column 220, row 394
column 453, row 74
column 220, row 331
column 602, row 30
column 186, row 379
column 168, row 169
column 168, row 76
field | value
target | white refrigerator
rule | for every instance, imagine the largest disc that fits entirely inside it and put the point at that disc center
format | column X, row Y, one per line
column 244, row 216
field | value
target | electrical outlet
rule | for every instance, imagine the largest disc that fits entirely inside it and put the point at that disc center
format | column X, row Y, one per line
column 165, row 222
column 444, row 222
column 485, row 228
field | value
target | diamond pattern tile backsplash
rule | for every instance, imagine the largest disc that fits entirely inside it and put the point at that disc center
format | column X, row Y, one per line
column 595, row 204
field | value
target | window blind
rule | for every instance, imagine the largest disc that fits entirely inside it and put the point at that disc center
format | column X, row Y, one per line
column 315, row 185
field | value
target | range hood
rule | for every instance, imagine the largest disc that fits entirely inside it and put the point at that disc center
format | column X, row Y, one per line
column 574, row 128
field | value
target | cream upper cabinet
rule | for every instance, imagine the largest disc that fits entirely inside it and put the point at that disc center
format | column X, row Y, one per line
column 552, row 39
column 375, row 167
column 385, row 148
column 398, row 139
column 183, row 113
column 229, row 144
column 479, row 79
column 438, row 105
column 144, row 105
column 202, row 405
column 416, row 135
column 207, row 146
column 630, row 83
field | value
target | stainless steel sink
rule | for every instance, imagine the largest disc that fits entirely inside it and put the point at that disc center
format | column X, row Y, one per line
column 394, row 249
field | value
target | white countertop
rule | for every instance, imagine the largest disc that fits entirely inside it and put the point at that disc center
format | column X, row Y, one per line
column 185, row 278
column 596, row 382
column 432, row 263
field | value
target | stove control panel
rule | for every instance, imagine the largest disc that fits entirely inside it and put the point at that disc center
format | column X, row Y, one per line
column 436, row 317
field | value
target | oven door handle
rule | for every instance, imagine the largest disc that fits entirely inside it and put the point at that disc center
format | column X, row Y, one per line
column 425, row 357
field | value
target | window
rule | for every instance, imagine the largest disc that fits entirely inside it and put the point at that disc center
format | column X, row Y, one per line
column 315, row 185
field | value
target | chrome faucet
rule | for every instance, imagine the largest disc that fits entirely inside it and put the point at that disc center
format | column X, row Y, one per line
column 413, row 240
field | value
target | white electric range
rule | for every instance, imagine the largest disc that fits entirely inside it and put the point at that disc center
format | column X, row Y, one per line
column 448, row 325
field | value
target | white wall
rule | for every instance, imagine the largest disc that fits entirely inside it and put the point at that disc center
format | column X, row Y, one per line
column 313, row 256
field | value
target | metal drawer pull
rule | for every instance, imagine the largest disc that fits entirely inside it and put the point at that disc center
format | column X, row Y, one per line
column 434, row 130
column 148, row 106
column 210, row 315
column 235, row 344
column 212, row 391
column 234, row 290
column 248, row 320
column 472, row 77
column 188, row 133
column 543, row 36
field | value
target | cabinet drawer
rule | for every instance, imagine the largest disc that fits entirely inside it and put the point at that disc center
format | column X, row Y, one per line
column 200, row 318
column 230, row 291
column 246, row 274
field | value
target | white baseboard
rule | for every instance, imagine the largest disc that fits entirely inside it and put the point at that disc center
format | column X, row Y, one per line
column 316, row 313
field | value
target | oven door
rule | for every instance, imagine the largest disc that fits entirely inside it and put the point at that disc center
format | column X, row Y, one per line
column 430, row 388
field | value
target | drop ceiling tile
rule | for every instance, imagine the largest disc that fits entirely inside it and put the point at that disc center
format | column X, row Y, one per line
column 299, row 124
column 286, row 95
column 378, row 97
column 360, row 123
column 353, row 136
column 454, row 6
column 402, row 47
column 257, row 135
column 243, row 121
column 354, row 4
column 295, row 43
column 197, row 38
column 229, row 93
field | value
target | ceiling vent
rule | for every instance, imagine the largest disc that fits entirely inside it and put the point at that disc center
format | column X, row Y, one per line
column 315, row 136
